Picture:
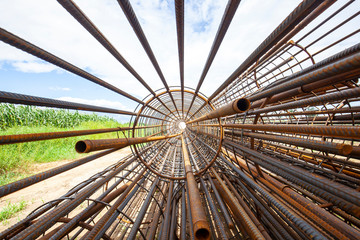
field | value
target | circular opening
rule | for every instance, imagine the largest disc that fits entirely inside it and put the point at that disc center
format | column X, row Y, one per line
column 182, row 125
column 202, row 233
column 243, row 104
column 80, row 146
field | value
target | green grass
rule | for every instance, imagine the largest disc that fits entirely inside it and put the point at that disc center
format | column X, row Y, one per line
column 16, row 159
column 11, row 209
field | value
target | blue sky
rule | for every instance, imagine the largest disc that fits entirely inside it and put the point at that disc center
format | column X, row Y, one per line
column 48, row 25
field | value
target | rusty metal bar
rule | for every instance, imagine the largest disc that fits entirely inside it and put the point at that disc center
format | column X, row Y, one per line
column 38, row 227
column 283, row 163
column 199, row 220
column 25, row 182
column 76, row 12
column 237, row 106
column 101, row 223
column 310, row 206
column 19, row 138
column 337, row 148
column 328, row 97
column 130, row 14
column 330, row 191
column 179, row 11
column 352, row 132
column 284, row 28
column 17, row 42
column 86, row 146
column 17, row 98
column 228, row 15
column 308, row 229
column 237, row 209
column 340, row 63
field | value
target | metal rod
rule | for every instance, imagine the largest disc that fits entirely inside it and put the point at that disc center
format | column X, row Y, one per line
column 17, row 42
column 86, row 146
column 228, row 15
column 199, row 221
column 237, row 106
column 130, row 14
column 296, row 16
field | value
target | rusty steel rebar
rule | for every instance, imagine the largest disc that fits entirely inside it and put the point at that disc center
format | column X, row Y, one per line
column 179, row 12
column 352, row 132
column 337, row 148
column 237, row 106
column 340, row 63
column 86, row 146
column 131, row 16
column 305, row 203
column 23, row 183
column 17, row 42
column 273, row 153
column 199, row 220
column 237, row 209
column 228, row 15
column 328, row 97
column 19, row 138
column 76, row 12
column 285, row 27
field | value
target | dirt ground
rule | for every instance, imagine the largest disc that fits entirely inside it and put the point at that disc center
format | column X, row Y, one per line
column 56, row 186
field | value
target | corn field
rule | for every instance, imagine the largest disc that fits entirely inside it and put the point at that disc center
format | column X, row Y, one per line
column 11, row 116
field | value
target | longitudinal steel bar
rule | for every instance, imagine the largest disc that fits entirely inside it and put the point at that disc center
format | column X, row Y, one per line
column 298, row 221
column 305, row 203
column 17, row 42
column 86, row 146
column 10, row 139
column 284, row 28
column 228, row 15
column 17, row 98
column 285, row 168
column 236, row 208
column 102, row 222
column 179, row 11
column 340, row 63
column 237, row 106
column 19, row 138
column 199, row 220
column 331, row 191
column 328, row 111
column 48, row 220
column 130, row 14
column 142, row 211
column 352, row 132
column 25, row 182
column 337, row 148
column 76, row 12
column 329, row 97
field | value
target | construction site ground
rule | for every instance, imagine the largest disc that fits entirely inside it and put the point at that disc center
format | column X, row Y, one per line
column 55, row 187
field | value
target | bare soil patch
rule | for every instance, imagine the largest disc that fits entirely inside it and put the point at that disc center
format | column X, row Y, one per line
column 56, row 186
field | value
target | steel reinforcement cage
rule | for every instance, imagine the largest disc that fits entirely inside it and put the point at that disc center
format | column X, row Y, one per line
column 273, row 153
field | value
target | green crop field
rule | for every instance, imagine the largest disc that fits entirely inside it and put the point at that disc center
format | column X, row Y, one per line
column 16, row 159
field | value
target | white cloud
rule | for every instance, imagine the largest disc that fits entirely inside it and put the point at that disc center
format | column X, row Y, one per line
column 63, row 36
column 33, row 66
column 97, row 102
column 52, row 28
column 59, row 88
